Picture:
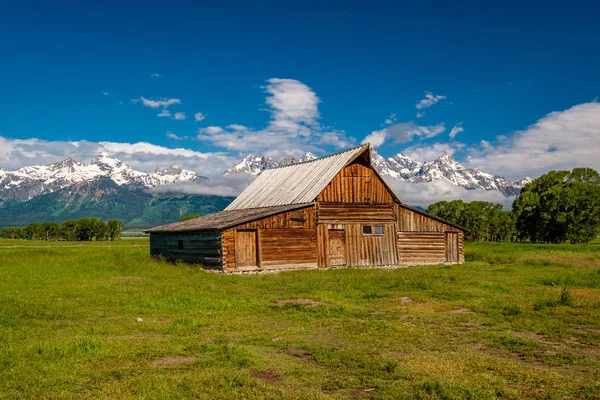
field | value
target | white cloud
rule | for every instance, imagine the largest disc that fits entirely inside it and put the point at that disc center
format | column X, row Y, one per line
column 391, row 119
column 155, row 75
column 403, row 132
column 173, row 136
column 179, row 116
column 17, row 153
column 424, row 194
column 165, row 103
column 293, row 126
column 560, row 140
column 105, row 93
column 429, row 153
column 164, row 113
column 421, row 114
column 456, row 130
column 429, row 100
column 229, row 185
column 199, row 117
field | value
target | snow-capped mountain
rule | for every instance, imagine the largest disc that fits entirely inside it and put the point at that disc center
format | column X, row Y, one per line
column 30, row 181
column 253, row 165
column 402, row 167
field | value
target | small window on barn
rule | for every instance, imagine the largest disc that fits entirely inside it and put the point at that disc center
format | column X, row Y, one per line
column 367, row 230
column 379, row 230
column 180, row 244
column 297, row 218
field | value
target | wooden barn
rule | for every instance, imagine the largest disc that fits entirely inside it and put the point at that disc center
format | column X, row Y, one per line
column 333, row 211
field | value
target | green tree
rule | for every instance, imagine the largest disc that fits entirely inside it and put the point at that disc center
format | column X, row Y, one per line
column 34, row 231
column 188, row 217
column 114, row 227
column 51, row 231
column 560, row 206
column 11, row 232
column 68, row 229
column 89, row 229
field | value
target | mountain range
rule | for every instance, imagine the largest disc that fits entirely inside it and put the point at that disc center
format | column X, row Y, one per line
column 34, row 180
column 107, row 188
column 404, row 168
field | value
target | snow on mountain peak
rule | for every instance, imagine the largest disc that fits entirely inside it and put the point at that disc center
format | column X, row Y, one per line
column 33, row 180
column 403, row 167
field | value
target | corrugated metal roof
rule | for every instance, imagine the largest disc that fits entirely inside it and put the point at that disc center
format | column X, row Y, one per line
column 293, row 184
column 224, row 219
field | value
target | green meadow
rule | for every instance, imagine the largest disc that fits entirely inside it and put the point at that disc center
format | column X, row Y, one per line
column 515, row 321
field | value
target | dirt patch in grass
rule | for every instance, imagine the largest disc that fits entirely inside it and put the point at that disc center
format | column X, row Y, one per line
column 299, row 353
column 302, row 302
column 267, row 376
column 169, row 361
column 461, row 310
column 405, row 300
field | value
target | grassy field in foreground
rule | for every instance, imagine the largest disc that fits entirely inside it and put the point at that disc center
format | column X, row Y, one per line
column 501, row 325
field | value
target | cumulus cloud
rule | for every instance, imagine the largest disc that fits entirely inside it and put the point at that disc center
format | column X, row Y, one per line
column 17, row 153
column 179, row 116
column 431, row 152
column 173, row 136
column 429, row 100
column 420, row 114
column 165, row 103
column 403, row 133
column 293, row 126
column 199, row 117
column 164, row 113
column 560, row 140
column 105, row 93
column 391, row 119
column 456, row 129
column 424, row 194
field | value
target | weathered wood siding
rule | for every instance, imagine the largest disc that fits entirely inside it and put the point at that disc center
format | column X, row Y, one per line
column 333, row 213
column 201, row 247
column 410, row 221
column 423, row 240
column 286, row 240
column 360, row 249
column 356, row 183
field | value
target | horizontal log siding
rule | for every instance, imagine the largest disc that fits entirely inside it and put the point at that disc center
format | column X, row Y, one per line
column 421, row 247
column 410, row 221
column 344, row 212
column 283, row 243
column 284, row 220
column 199, row 247
column 356, row 183
column 284, row 248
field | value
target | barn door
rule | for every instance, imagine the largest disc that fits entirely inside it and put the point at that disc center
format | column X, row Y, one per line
column 451, row 247
column 246, row 244
column 337, row 248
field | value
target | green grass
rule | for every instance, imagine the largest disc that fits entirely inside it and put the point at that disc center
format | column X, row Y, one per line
column 515, row 321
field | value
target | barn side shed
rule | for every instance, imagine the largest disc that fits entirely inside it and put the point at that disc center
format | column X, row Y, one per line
column 334, row 211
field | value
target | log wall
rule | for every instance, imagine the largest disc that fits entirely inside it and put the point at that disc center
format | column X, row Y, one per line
column 286, row 240
column 199, row 247
column 422, row 239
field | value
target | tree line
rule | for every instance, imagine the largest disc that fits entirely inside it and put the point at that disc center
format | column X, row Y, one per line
column 560, row 206
column 84, row 229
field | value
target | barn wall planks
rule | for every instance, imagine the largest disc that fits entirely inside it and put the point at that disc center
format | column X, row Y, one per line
column 411, row 221
column 356, row 183
column 303, row 218
column 421, row 247
column 282, row 247
column 202, row 247
column 344, row 212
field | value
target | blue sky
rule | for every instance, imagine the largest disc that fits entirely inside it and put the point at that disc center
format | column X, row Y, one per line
column 300, row 76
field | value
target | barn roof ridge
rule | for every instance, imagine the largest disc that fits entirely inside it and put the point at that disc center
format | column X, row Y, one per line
column 317, row 159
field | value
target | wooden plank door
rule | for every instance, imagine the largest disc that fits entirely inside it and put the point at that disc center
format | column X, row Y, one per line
column 337, row 248
column 451, row 246
column 246, row 248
